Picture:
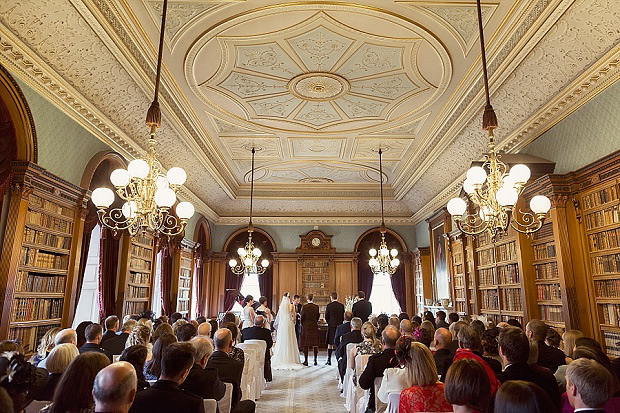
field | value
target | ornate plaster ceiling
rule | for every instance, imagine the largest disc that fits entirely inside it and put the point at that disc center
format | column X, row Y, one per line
column 318, row 87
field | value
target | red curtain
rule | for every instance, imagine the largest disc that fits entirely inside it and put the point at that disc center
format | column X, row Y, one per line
column 398, row 285
column 108, row 266
column 167, row 254
column 8, row 149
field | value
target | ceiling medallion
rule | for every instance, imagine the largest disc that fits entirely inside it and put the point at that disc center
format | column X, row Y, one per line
column 318, row 86
column 317, row 180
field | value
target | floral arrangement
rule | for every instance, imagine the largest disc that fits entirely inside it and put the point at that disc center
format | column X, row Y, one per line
column 349, row 300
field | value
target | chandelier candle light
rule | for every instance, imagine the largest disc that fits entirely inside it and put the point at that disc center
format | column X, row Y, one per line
column 383, row 260
column 249, row 255
column 148, row 194
column 493, row 189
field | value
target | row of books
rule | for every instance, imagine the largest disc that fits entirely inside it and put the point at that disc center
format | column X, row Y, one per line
column 315, row 278
column 612, row 343
column 490, row 299
column 486, row 257
column 137, row 292
column 549, row 292
column 29, row 337
column 508, row 274
column 141, row 251
column 184, row 282
column 459, row 292
column 551, row 313
column 144, row 240
column 43, row 238
column 135, row 307
column 36, row 258
column 600, row 197
column 316, row 285
column 457, row 258
column 606, row 264
column 314, row 270
column 545, row 231
column 140, row 278
column 183, row 295
column 604, row 240
column 506, row 252
column 544, row 251
column 139, row 264
column 486, row 277
column 608, row 288
column 483, row 239
column 38, row 202
column 182, row 306
column 26, row 282
column 31, row 309
column 511, row 299
column 320, row 264
column 458, row 281
column 603, row 217
column 459, row 307
column 546, row 271
column 49, row 221
column 611, row 313
column 458, row 269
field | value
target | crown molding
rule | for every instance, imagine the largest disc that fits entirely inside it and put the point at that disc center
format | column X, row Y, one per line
column 314, row 220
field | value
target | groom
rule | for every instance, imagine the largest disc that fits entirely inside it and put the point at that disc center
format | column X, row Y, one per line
column 310, row 329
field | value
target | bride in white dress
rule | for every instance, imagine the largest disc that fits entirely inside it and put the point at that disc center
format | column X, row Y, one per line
column 286, row 351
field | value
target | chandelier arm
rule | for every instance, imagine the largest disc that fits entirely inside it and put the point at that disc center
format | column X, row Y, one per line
column 526, row 222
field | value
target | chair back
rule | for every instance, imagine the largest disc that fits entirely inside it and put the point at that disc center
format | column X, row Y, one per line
column 380, row 407
column 36, row 405
column 393, row 401
column 210, row 405
column 361, row 361
column 248, row 377
column 225, row 403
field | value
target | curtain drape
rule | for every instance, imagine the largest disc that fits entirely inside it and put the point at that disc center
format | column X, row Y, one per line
column 265, row 283
column 398, row 286
column 365, row 278
column 167, row 255
column 90, row 222
column 232, row 285
column 108, row 267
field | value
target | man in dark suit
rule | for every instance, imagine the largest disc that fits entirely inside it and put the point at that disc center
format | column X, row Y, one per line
column 377, row 363
column 548, row 356
column 343, row 328
column 297, row 305
column 203, row 381
column 441, row 320
column 165, row 395
column 116, row 345
column 362, row 308
column 93, row 338
column 260, row 332
column 229, row 370
column 111, row 327
column 309, row 329
column 443, row 356
column 355, row 336
column 588, row 385
column 514, row 349
column 334, row 316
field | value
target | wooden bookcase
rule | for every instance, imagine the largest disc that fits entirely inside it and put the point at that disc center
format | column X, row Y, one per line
column 182, row 284
column 470, row 269
column 137, row 269
column 459, row 274
column 40, row 254
column 422, row 275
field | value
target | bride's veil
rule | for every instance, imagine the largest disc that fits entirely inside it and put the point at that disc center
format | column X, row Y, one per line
column 283, row 311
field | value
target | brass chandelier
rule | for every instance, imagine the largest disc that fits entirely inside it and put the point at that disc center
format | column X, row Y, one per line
column 148, row 193
column 493, row 189
column 249, row 256
column 383, row 260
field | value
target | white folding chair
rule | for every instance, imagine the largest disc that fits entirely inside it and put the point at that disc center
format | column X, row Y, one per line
column 347, row 382
column 210, row 405
column 380, row 407
column 36, row 405
column 360, row 396
column 248, row 377
column 393, row 401
column 260, row 382
column 258, row 374
column 225, row 403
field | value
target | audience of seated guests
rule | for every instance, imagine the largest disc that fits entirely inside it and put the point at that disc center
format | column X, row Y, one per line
column 66, row 335
column 440, row 321
column 19, row 380
column 403, row 316
column 467, row 387
column 165, row 395
column 152, row 369
column 116, row 345
column 203, row 381
column 136, row 356
column 229, row 369
column 74, row 392
column 587, row 342
column 343, row 328
column 514, row 349
column 111, row 328
column 442, row 356
column 186, row 332
column 518, row 396
column 80, row 330
column 235, row 352
column 425, row 393
column 378, row 362
column 514, row 323
column 57, row 362
column 260, row 332
column 161, row 329
column 45, row 345
column 354, row 336
column 548, row 357
column 204, row 330
column 114, row 388
column 453, row 318
column 454, row 329
column 93, row 336
column 588, row 385
column 406, row 327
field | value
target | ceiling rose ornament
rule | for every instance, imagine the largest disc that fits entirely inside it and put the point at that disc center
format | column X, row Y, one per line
column 148, row 194
column 493, row 189
column 318, row 86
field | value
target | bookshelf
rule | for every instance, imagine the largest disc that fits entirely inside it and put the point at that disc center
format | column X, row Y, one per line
column 136, row 274
column 183, row 284
column 315, row 278
column 40, row 254
column 470, row 269
column 458, row 269
column 422, row 276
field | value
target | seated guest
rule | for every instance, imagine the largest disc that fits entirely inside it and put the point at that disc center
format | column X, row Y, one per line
column 548, row 357
column 152, row 369
column 213, row 327
column 453, row 318
column 136, row 356
column 588, row 342
column 186, row 332
column 514, row 323
column 522, row 396
column 203, row 381
column 553, row 338
column 140, row 334
column 67, row 335
column 588, row 385
column 441, row 320
column 467, row 387
column 57, row 362
column 235, row 352
column 19, row 381
column 394, row 322
column 443, row 356
column 45, row 345
column 74, row 392
column 177, row 324
column 425, row 393
column 201, row 319
column 229, row 370
column 204, row 330
column 601, row 358
column 383, row 321
column 426, row 333
column 469, row 339
column 395, row 378
column 174, row 317
column 514, row 349
column 114, row 388
column 355, row 336
column 478, row 326
column 343, row 328
column 161, row 329
column 428, row 316
column 111, row 328
column 406, row 327
column 116, row 345
column 489, row 343
column 403, row 316
column 568, row 338
column 370, row 345
column 93, row 336
column 165, row 395
column 260, row 332
column 80, row 330
column 456, row 327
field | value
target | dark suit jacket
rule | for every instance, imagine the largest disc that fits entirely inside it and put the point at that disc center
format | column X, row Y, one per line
column 362, row 309
column 354, row 336
column 229, row 370
column 297, row 316
column 166, row 396
column 442, row 324
column 91, row 347
column 310, row 315
column 204, row 383
column 544, row 379
column 334, row 314
column 550, row 357
column 107, row 335
column 341, row 330
column 258, row 333
column 443, row 359
column 377, row 363
column 116, row 345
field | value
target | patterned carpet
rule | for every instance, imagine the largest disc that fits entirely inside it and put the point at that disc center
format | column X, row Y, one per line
column 312, row 389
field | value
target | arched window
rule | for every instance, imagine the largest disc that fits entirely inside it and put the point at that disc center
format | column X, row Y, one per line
column 88, row 305
column 249, row 286
column 382, row 296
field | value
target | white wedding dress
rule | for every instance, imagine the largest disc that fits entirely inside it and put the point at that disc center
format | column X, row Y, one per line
column 285, row 351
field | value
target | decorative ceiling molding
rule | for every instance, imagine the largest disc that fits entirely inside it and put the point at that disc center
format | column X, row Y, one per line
column 314, row 220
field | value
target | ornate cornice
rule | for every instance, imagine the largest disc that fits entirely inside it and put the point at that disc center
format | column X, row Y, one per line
column 314, row 220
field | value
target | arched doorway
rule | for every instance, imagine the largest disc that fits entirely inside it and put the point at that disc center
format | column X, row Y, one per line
column 387, row 293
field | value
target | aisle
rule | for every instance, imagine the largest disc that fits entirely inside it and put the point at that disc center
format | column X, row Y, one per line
column 312, row 389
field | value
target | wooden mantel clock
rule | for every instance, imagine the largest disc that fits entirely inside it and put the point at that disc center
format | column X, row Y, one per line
column 315, row 241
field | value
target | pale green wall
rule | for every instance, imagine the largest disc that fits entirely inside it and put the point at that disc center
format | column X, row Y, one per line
column 65, row 147
column 422, row 235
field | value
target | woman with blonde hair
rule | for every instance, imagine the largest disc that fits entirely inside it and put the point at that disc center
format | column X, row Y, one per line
column 141, row 334
column 569, row 337
column 45, row 345
column 57, row 362
column 369, row 346
column 425, row 391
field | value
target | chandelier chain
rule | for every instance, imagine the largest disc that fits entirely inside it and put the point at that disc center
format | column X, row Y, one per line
column 381, row 186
